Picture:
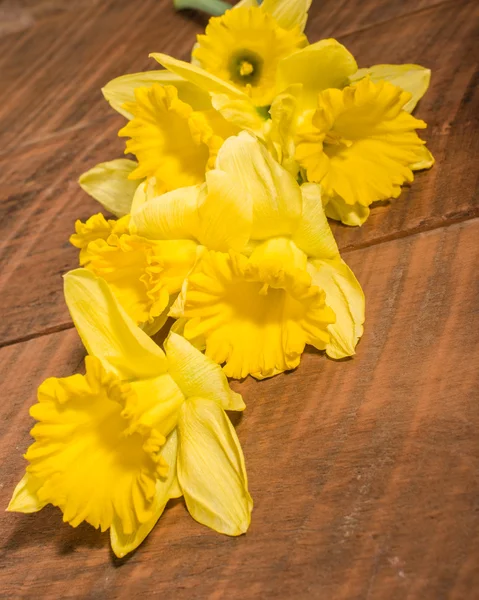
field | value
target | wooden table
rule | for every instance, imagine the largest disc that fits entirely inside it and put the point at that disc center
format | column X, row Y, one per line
column 364, row 473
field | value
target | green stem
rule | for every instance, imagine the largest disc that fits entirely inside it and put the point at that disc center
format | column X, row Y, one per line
column 211, row 7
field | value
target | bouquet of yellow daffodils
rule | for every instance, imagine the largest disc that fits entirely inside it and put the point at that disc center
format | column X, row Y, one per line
column 221, row 223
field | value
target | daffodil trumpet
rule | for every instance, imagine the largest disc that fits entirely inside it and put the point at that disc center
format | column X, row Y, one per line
column 268, row 278
column 140, row 427
column 360, row 145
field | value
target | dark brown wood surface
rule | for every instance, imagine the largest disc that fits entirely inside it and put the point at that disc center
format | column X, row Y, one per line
column 364, row 473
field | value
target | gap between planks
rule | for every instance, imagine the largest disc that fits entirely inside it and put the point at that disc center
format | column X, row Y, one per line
column 399, row 17
column 377, row 242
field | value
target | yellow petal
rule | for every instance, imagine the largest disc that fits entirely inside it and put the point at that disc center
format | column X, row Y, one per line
column 245, row 3
column 325, row 64
column 25, row 498
column 411, row 78
column 197, row 375
column 425, row 161
column 158, row 402
column 288, row 13
column 171, row 216
column 92, row 462
column 240, row 111
column 107, row 331
column 345, row 296
column 225, row 214
column 275, row 195
column 285, row 111
column 166, row 488
column 108, row 183
column 353, row 215
column 219, row 124
column 314, row 235
column 211, row 468
column 121, row 90
column 196, row 75
column 142, row 274
column 244, row 47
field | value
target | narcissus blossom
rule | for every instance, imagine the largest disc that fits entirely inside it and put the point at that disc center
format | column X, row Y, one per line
column 268, row 277
column 142, row 426
column 174, row 132
column 244, row 47
column 360, row 144
column 255, row 314
column 144, row 275
column 173, row 143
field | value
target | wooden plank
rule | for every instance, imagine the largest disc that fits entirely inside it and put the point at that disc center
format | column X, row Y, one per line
column 364, row 472
column 83, row 53
column 331, row 18
column 36, row 221
column 17, row 15
column 53, row 78
column 445, row 40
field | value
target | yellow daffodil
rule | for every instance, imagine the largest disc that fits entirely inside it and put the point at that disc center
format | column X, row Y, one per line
column 143, row 274
column 256, row 313
column 113, row 446
column 269, row 278
column 175, row 134
column 173, row 143
column 359, row 144
column 245, row 47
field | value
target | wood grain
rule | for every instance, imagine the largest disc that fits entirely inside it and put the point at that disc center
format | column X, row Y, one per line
column 364, row 472
column 36, row 221
column 17, row 15
column 330, row 18
column 53, row 77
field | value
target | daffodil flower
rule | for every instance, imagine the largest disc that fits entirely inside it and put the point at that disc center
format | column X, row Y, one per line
column 360, row 145
column 269, row 278
column 174, row 144
column 144, row 275
column 142, row 426
column 174, row 132
column 245, row 47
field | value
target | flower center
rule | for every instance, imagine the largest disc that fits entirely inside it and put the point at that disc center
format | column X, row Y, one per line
column 255, row 314
column 333, row 138
column 245, row 67
column 171, row 141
